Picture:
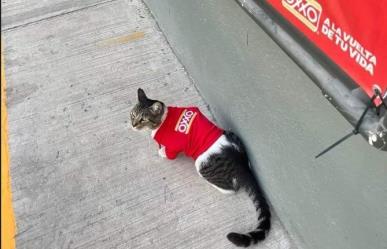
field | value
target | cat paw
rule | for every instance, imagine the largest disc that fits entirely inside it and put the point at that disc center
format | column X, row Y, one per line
column 162, row 152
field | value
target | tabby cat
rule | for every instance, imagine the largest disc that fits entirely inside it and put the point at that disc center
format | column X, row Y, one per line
column 220, row 157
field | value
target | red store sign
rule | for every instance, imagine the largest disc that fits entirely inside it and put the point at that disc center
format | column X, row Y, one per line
column 353, row 34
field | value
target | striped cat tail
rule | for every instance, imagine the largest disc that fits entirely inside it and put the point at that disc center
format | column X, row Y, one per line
column 264, row 216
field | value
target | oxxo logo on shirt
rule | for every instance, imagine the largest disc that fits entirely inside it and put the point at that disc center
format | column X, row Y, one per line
column 307, row 11
column 185, row 121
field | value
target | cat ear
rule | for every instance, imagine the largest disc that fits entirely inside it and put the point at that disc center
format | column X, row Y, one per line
column 141, row 95
column 157, row 107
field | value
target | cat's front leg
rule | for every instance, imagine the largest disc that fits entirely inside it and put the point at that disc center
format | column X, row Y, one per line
column 162, row 152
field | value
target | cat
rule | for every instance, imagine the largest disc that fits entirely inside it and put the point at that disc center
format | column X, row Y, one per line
column 220, row 157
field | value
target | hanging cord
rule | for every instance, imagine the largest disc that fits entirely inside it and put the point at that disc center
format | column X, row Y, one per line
column 357, row 126
column 377, row 92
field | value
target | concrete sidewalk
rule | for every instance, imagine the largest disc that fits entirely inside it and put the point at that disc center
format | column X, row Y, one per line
column 81, row 178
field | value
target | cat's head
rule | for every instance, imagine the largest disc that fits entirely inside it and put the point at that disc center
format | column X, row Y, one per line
column 147, row 113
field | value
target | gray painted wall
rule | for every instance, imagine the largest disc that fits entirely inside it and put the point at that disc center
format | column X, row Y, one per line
column 253, row 88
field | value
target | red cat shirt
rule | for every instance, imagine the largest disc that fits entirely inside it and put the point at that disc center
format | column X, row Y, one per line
column 186, row 129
